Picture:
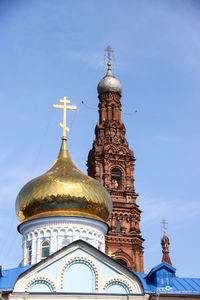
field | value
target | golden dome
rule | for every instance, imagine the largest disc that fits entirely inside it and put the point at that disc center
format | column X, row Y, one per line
column 63, row 191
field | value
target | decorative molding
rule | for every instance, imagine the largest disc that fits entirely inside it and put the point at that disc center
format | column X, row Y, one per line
column 39, row 280
column 118, row 283
column 84, row 258
column 23, row 284
column 133, row 287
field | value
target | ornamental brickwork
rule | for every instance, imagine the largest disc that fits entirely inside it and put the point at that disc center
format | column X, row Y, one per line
column 111, row 162
column 165, row 249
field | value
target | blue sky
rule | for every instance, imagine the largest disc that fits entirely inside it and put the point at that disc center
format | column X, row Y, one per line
column 51, row 49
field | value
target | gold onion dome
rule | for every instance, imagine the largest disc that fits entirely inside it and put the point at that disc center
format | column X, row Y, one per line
column 63, row 191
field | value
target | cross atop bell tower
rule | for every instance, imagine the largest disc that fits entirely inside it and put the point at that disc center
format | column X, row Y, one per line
column 164, row 225
column 108, row 52
column 111, row 162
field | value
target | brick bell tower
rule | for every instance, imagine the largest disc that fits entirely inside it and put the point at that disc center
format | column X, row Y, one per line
column 111, row 162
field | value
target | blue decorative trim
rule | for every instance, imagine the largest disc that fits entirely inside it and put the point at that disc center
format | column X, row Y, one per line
column 118, row 283
column 41, row 282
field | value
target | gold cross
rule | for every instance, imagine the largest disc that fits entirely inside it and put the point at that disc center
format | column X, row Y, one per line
column 65, row 101
column 110, row 253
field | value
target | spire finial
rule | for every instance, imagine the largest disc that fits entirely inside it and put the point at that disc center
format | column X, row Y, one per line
column 164, row 225
column 63, row 125
column 108, row 51
column 165, row 244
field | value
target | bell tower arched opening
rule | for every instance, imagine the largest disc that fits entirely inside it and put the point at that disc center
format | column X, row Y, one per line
column 121, row 261
column 116, row 179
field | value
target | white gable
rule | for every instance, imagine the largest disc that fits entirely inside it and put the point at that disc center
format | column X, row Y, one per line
column 78, row 268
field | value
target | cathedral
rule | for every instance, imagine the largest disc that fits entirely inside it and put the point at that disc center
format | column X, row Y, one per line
column 81, row 234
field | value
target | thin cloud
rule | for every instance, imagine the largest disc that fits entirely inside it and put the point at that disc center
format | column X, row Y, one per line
column 175, row 211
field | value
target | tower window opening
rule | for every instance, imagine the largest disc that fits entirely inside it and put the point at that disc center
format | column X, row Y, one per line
column 116, row 179
column 100, row 117
column 112, row 116
column 45, row 249
column 29, row 251
column 118, row 226
column 121, row 261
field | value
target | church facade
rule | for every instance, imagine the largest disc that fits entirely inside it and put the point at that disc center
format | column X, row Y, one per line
column 81, row 234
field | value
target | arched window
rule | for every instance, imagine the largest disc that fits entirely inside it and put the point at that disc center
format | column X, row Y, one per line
column 121, row 261
column 29, row 253
column 116, row 179
column 65, row 242
column 45, row 249
column 118, row 226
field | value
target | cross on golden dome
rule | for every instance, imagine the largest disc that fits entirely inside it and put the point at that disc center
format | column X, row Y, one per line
column 65, row 101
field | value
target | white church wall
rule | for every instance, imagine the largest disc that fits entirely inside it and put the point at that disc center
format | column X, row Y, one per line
column 59, row 232
column 76, row 270
column 106, row 271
